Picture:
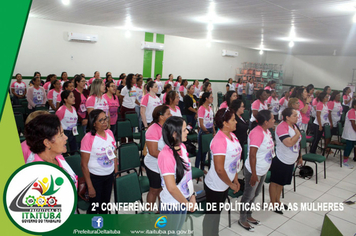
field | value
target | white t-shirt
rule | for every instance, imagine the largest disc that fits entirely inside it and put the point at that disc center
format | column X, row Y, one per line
column 324, row 115
column 98, row 103
column 176, row 86
column 287, row 155
column 349, row 133
column 54, row 96
column 39, row 96
column 68, row 118
column 196, row 91
column 139, row 94
column 346, row 97
column 240, row 89
column 150, row 103
column 250, row 88
column 221, row 145
column 160, row 86
column 231, row 87
column 283, row 103
column 129, row 97
column 258, row 106
column 264, row 142
column 300, row 119
column 20, row 88
column 97, row 147
column 182, row 89
column 167, row 166
column 154, row 134
column 207, row 116
column 336, row 111
column 176, row 112
column 274, row 103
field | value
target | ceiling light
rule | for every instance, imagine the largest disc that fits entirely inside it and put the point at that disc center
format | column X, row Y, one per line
column 127, row 34
column 209, row 36
column 261, row 52
column 210, row 26
column 66, row 2
column 291, row 44
column 354, row 18
column 262, row 46
column 292, row 32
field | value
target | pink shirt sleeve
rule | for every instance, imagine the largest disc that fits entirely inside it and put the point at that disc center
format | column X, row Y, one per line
column 166, row 82
column 153, row 133
column 218, row 145
column 282, row 129
column 281, row 101
column 315, row 101
column 144, row 100
column 331, row 105
column 90, row 102
column 175, row 84
column 181, row 88
column 109, row 132
column 87, row 143
column 256, row 105
column 60, row 112
column 319, row 106
column 345, row 97
column 50, row 95
column 166, row 162
column 256, row 137
column 13, row 84
column 269, row 100
column 351, row 115
column 201, row 112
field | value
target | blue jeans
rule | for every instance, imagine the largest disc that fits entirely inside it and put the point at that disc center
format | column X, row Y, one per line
column 71, row 141
column 137, row 109
column 200, row 155
column 191, row 120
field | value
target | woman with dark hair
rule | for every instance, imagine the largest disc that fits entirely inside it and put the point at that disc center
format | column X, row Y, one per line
column 222, row 175
column 159, row 84
column 172, row 100
column 294, row 103
column 202, row 86
column 314, row 102
column 170, row 80
column 349, row 134
column 259, row 158
column 239, row 88
column 271, row 85
column 68, row 117
column 109, row 78
column 228, row 98
column 230, row 86
column 346, row 99
column 304, row 106
column 327, row 90
column 178, row 83
column 64, row 77
column 139, row 89
column 335, row 111
column 120, row 87
column 191, row 106
column 176, row 171
column 113, row 103
column 205, row 123
column 98, row 160
column 96, row 76
column 250, row 88
column 121, row 77
column 196, row 88
column 68, row 85
column 291, row 89
column 283, row 103
column 47, row 141
column 155, row 144
column 149, row 102
column 167, row 88
column 273, row 104
column 182, row 91
column 258, row 105
column 288, row 139
column 310, row 91
column 96, row 99
column 50, row 78
column 18, row 89
column 206, row 87
column 54, row 95
column 322, row 117
column 36, row 95
column 81, row 94
column 36, row 74
column 241, row 131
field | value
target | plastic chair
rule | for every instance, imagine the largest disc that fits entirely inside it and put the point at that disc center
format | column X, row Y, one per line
column 327, row 133
column 19, row 122
column 205, row 148
column 132, row 117
column 246, row 115
column 123, row 130
column 19, row 109
column 41, row 108
column 24, row 104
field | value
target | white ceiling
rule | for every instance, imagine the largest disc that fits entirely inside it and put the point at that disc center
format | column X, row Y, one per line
column 321, row 26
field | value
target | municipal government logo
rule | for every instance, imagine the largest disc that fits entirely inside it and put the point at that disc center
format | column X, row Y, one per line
column 39, row 197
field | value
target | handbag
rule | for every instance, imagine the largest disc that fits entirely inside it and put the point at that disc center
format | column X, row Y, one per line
column 83, row 189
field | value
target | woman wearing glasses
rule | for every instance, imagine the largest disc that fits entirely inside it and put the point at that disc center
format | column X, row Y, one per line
column 98, row 159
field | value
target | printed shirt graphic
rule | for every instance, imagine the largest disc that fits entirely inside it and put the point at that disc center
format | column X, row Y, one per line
column 67, row 117
column 349, row 133
column 207, row 116
column 313, row 111
column 160, row 86
column 300, row 119
column 221, row 145
column 113, row 106
column 83, row 101
column 263, row 141
column 98, row 103
column 240, row 89
column 167, row 166
column 258, row 106
column 274, row 104
column 20, row 88
column 150, row 103
column 139, row 92
column 287, row 155
column 336, row 111
column 176, row 112
column 231, row 87
column 130, row 97
column 283, row 102
column 99, row 163
column 346, row 97
column 154, row 134
column 38, row 96
column 54, row 96
column 324, row 115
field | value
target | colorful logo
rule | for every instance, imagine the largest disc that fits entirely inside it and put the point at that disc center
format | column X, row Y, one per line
column 161, row 222
column 97, row 222
column 42, row 204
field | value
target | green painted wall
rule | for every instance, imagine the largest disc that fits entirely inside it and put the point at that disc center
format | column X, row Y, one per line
column 147, row 57
column 159, row 56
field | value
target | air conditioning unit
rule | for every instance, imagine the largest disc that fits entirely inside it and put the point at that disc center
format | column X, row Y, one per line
column 227, row 53
column 82, row 37
column 152, row 46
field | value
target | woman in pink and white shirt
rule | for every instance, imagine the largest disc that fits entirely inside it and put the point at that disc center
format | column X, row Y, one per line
column 155, row 144
column 172, row 100
column 257, row 164
column 167, row 88
column 18, row 89
column 176, row 171
column 54, row 95
column 149, row 102
column 182, row 91
column 178, row 83
column 98, row 160
column 240, row 88
column 271, row 85
column 222, row 175
column 273, row 104
column 81, row 95
column 170, row 80
column 96, row 99
column 48, row 85
column 229, row 97
column 196, row 88
column 294, row 103
column 322, row 117
column 258, row 105
column 69, row 118
column 113, row 102
column 64, row 77
column 159, row 84
column 335, row 111
column 346, row 99
column 36, row 95
column 47, row 141
column 304, row 106
column 96, row 76
column 349, row 134
column 283, row 103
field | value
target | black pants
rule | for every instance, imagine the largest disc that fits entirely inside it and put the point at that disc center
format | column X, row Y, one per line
column 317, row 136
column 72, row 141
column 212, row 218
column 181, row 106
column 103, row 188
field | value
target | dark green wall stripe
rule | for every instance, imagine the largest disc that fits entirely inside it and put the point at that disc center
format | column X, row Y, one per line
column 159, row 38
column 147, row 57
column 159, row 55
